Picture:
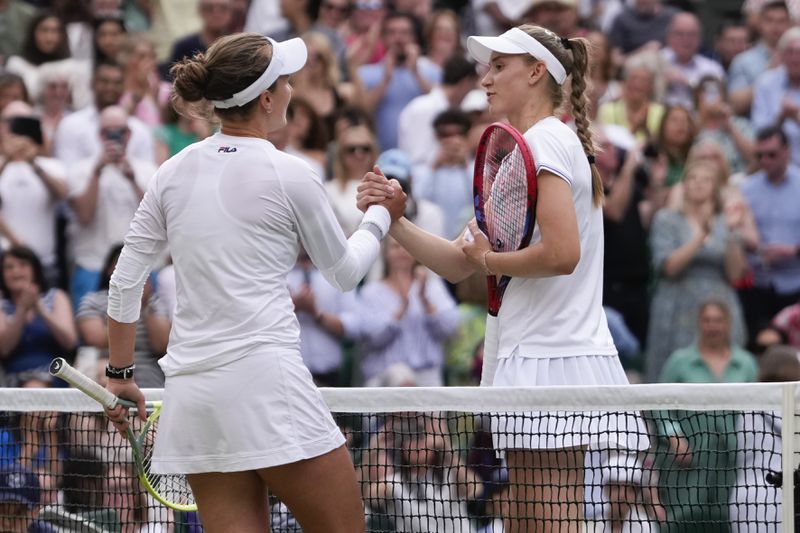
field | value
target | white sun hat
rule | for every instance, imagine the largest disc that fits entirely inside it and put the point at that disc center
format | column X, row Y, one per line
column 515, row 42
column 287, row 58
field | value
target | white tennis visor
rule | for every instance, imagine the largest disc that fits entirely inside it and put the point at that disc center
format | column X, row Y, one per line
column 516, row 42
column 287, row 58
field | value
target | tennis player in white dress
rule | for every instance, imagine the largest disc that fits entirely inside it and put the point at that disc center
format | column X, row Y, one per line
column 241, row 414
column 552, row 328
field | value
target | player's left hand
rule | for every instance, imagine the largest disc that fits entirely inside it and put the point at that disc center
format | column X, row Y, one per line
column 475, row 250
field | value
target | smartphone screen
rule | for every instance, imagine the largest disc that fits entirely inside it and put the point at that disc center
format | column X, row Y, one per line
column 29, row 127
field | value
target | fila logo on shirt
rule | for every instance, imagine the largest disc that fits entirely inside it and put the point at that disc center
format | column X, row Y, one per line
column 227, row 149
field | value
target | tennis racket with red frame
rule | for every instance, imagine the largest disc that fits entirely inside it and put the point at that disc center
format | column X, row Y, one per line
column 504, row 192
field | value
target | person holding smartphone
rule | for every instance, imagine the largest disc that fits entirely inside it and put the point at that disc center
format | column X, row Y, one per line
column 104, row 192
column 30, row 185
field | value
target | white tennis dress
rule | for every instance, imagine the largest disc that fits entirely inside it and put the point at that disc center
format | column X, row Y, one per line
column 564, row 337
column 233, row 212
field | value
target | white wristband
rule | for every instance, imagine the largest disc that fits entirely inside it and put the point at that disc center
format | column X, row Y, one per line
column 378, row 216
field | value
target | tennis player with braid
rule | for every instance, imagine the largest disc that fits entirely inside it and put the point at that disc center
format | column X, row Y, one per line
column 551, row 326
column 241, row 414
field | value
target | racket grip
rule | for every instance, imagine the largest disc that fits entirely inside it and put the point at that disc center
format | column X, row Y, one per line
column 491, row 342
column 61, row 369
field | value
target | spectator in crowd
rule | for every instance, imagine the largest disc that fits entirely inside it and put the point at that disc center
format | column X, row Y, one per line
column 415, row 474
column 558, row 16
column 641, row 23
column 773, row 194
column 12, row 89
column 416, row 135
column 400, row 77
column 145, row 94
column 55, row 102
column 686, row 67
column 75, row 140
column 447, row 180
column 104, row 192
column 406, row 317
column 362, row 33
column 603, row 70
column 20, row 501
column 152, row 328
column 732, row 39
column 356, row 151
column 688, row 458
column 15, row 17
column 747, row 67
column 765, row 337
column 36, row 321
column 308, row 134
column 46, row 42
column 320, row 82
column 331, row 21
column 717, row 122
column 216, row 19
column 109, row 37
column 442, row 37
column 30, row 186
column 788, row 321
column 327, row 317
column 636, row 109
column 696, row 257
column 776, row 99
column 675, row 137
column 177, row 131
column 755, row 501
column 626, row 223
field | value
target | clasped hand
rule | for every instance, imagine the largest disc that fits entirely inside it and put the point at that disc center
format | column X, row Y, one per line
column 376, row 189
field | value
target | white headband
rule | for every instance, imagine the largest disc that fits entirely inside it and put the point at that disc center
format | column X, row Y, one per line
column 287, row 58
column 515, row 42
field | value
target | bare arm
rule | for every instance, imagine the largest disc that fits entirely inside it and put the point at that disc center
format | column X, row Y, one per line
column 11, row 328
column 735, row 260
column 440, row 255
column 158, row 328
column 85, row 204
column 558, row 251
column 56, row 187
column 680, row 258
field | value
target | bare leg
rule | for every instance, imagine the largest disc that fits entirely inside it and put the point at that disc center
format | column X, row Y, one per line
column 546, row 490
column 322, row 493
column 233, row 501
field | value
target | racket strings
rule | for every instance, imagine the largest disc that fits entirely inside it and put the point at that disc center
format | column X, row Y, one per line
column 506, row 205
column 171, row 487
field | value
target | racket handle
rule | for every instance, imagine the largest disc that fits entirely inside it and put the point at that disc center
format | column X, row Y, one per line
column 491, row 342
column 61, row 369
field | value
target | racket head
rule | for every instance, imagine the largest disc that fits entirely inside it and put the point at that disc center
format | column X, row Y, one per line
column 505, row 191
column 171, row 490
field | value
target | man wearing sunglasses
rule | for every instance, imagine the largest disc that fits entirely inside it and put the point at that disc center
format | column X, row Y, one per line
column 773, row 194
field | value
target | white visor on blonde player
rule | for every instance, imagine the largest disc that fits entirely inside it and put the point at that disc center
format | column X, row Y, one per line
column 287, row 58
column 515, row 42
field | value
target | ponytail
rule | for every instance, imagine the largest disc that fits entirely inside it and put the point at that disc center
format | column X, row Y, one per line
column 579, row 99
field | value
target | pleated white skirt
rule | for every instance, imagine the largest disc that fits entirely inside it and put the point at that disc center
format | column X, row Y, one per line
column 259, row 411
column 565, row 429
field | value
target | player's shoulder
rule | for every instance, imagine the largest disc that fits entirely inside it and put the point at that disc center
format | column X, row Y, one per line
column 293, row 168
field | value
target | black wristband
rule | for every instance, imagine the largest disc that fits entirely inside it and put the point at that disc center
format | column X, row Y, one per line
column 125, row 372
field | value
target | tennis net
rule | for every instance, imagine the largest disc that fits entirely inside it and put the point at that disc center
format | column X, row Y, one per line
column 659, row 458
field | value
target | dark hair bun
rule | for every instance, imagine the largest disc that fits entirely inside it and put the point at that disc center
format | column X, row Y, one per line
column 191, row 78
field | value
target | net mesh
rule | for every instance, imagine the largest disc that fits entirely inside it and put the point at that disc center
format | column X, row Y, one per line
column 698, row 458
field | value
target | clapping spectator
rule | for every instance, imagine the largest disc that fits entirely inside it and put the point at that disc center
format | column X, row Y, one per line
column 637, row 110
column 152, row 328
column 36, row 321
column 400, row 77
column 696, row 257
column 406, row 318
column 442, row 37
column 675, row 137
column 145, row 94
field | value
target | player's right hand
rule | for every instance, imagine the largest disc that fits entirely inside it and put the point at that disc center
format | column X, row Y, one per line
column 373, row 189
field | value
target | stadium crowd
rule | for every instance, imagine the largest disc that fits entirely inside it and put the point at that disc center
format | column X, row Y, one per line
column 696, row 107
